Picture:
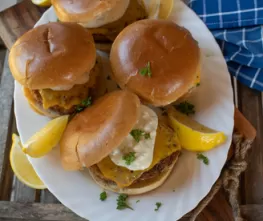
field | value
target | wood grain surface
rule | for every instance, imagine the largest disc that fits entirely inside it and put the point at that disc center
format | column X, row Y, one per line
column 250, row 103
column 6, row 102
column 16, row 21
column 50, row 212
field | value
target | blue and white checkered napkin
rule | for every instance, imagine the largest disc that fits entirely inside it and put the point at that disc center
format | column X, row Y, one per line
column 238, row 27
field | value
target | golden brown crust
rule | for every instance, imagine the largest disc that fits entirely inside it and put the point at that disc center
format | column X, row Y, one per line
column 135, row 189
column 94, row 133
column 83, row 11
column 52, row 55
column 173, row 54
column 136, row 11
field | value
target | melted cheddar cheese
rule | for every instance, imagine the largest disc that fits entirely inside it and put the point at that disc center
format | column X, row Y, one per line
column 74, row 96
column 166, row 143
column 65, row 99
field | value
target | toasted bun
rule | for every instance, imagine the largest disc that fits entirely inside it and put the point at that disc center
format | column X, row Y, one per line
column 94, row 133
column 173, row 54
column 90, row 13
column 53, row 55
column 134, row 189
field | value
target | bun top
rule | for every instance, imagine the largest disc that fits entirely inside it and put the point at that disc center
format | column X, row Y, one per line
column 93, row 134
column 168, row 50
column 90, row 13
column 53, row 55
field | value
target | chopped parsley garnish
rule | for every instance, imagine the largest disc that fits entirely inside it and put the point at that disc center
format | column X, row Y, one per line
column 185, row 108
column 137, row 201
column 202, row 157
column 103, row 196
column 158, row 205
column 146, row 71
column 147, row 136
column 121, row 202
column 137, row 134
column 84, row 104
column 129, row 158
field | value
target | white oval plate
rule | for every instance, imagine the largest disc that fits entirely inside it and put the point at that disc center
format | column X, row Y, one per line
column 190, row 181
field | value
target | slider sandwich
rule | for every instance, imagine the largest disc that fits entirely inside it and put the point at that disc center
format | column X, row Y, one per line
column 126, row 146
column 104, row 18
column 157, row 60
column 56, row 65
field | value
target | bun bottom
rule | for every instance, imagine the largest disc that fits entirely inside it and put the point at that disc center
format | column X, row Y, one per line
column 134, row 189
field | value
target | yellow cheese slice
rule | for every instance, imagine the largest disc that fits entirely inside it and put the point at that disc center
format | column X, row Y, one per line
column 166, row 143
column 65, row 99
column 74, row 96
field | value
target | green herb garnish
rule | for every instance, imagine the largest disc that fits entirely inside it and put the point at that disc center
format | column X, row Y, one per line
column 84, row 104
column 103, row 196
column 147, row 136
column 158, row 205
column 185, row 108
column 202, row 157
column 121, row 202
column 146, row 71
column 137, row 134
column 129, row 158
column 137, row 201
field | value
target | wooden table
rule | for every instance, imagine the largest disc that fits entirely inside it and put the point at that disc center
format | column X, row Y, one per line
column 20, row 203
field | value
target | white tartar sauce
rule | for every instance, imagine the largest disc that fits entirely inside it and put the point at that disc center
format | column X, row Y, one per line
column 148, row 123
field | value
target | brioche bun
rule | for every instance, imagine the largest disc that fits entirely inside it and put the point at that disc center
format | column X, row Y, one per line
column 90, row 13
column 92, row 134
column 171, row 51
column 53, row 55
column 134, row 189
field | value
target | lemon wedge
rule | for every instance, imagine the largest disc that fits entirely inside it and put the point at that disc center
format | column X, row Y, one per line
column 192, row 135
column 22, row 167
column 42, row 3
column 160, row 8
column 47, row 138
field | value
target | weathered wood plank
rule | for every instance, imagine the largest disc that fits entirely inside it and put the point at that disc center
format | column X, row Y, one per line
column 217, row 209
column 13, row 23
column 6, row 186
column 250, row 104
column 2, row 58
column 8, row 219
column 36, row 211
column 48, row 197
column 6, row 99
column 252, row 212
column 49, row 212
column 23, row 193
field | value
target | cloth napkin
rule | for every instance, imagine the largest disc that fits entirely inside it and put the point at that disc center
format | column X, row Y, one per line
column 237, row 26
